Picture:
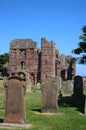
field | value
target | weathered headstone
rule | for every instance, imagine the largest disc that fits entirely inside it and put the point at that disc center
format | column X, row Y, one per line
column 49, row 96
column 58, row 81
column 38, row 86
column 29, row 84
column 15, row 104
column 67, row 87
column 78, row 87
column 85, row 107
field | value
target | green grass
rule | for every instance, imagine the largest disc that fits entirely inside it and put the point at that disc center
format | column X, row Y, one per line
column 70, row 116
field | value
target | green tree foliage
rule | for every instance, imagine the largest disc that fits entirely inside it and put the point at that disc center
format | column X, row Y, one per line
column 81, row 50
column 3, row 59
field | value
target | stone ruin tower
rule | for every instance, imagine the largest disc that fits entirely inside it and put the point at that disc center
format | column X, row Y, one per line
column 23, row 56
column 47, row 59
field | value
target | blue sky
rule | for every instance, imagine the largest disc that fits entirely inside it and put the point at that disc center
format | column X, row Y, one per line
column 57, row 20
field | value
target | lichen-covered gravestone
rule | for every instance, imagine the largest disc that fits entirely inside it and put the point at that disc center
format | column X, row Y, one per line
column 67, row 87
column 49, row 96
column 15, row 104
column 78, row 87
column 58, row 81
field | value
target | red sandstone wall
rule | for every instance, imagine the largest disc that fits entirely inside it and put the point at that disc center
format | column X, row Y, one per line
column 47, row 60
column 23, row 55
column 32, row 64
column 39, row 65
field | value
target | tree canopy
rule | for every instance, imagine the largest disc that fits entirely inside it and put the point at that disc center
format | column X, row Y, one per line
column 81, row 49
column 3, row 59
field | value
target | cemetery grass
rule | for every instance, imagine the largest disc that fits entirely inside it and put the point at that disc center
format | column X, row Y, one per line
column 69, row 117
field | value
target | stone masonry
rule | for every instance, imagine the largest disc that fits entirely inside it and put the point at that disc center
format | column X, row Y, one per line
column 39, row 64
column 47, row 60
column 24, row 56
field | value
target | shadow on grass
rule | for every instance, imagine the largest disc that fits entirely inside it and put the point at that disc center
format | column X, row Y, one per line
column 1, row 120
column 36, row 110
column 1, row 108
column 68, row 101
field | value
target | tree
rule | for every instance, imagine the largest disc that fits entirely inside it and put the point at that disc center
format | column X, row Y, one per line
column 81, row 47
column 3, row 59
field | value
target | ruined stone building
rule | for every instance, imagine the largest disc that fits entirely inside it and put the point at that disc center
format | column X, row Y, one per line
column 39, row 64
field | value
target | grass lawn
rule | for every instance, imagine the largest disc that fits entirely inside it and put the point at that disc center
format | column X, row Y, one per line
column 70, row 116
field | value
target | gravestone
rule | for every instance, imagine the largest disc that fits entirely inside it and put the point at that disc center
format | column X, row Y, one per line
column 85, row 107
column 29, row 84
column 67, row 87
column 58, row 81
column 78, row 87
column 50, row 95
column 38, row 86
column 15, row 104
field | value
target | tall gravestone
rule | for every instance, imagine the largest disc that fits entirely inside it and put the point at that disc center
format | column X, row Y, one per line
column 78, row 87
column 49, row 96
column 15, row 104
